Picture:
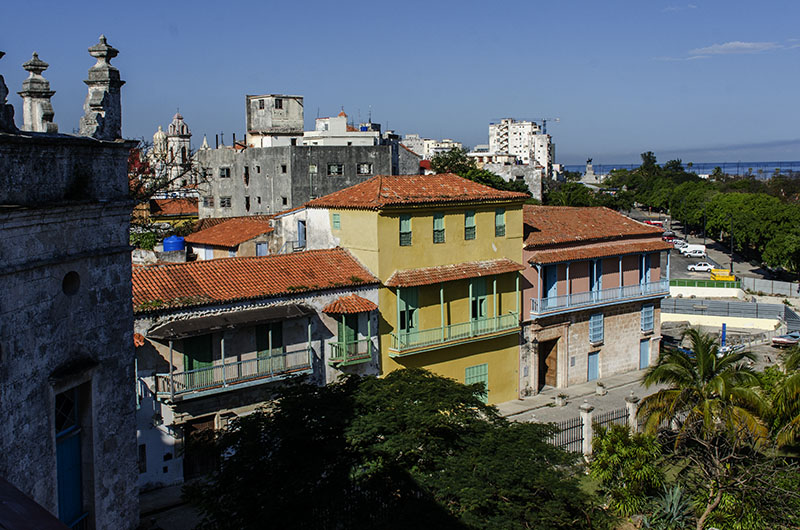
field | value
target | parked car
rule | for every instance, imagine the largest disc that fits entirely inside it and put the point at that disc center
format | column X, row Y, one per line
column 668, row 233
column 690, row 248
column 695, row 254
column 702, row 266
column 784, row 341
column 679, row 243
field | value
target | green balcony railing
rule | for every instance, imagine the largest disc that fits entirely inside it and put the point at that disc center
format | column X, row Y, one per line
column 720, row 284
column 272, row 366
column 409, row 340
column 352, row 352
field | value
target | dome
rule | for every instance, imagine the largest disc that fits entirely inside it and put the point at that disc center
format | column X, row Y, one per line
column 159, row 136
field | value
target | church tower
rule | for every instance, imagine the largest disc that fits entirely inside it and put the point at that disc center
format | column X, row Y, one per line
column 179, row 148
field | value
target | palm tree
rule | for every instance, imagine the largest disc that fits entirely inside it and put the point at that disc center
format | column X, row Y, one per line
column 787, row 400
column 707, row 393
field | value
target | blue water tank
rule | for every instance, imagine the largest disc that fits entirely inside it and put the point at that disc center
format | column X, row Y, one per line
column 174, row 243
column 364, row 128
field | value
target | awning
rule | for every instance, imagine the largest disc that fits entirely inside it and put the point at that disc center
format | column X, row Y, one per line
column 350, row 304
column 449, row 273
column 178, row 329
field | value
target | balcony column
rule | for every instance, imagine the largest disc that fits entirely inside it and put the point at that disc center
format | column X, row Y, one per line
column 539, row 270
column 222, row 354
column 620, row 277
column 494, row 300
column 441, row 308
column 516, row 294
column 308, row 343
column 269, row 347
column 171, row 374
column 369, row 333
column 569, row 288
column 397, row 328
column 668, row 254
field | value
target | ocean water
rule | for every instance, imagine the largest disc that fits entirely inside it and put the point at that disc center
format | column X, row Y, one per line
column 759, row 169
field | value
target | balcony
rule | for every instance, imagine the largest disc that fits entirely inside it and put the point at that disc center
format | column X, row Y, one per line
column 231, row 375
column 416, row 341
column 348, row 353
column 571, row 302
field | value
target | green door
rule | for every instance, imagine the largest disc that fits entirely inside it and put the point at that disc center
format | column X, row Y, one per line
column 198, row 359
column 478, row 374
column 478, row 306
column 269, row 343
column 348, row 335
column 408, row 324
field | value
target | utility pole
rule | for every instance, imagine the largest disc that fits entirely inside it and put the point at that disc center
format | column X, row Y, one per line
column 731, row 218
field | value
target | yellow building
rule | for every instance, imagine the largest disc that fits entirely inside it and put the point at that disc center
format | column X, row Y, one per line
column 447, row 253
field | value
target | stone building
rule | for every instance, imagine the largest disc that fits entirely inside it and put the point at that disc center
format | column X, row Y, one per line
column 594, row 281
column 274, row 120
column 523, row 139
column 214, row 338
column 66, row 339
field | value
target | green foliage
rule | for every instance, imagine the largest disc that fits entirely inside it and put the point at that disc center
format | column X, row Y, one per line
column 409, row 450
column 627, row 466
column 672, row 510
column 456, row 161
column 144, row 240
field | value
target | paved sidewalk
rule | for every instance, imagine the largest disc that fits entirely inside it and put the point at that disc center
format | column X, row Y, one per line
column 541, row 407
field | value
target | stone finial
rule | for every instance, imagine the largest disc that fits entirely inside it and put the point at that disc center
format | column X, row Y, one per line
column 205, row 143
column 6, row 110
column 37, row 111
column 102, row 118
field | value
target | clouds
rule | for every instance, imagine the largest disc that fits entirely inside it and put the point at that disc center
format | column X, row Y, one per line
column 735, row 47
column 672, row 9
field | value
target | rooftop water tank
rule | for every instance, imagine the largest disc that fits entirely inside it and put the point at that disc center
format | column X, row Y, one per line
column 174, row 243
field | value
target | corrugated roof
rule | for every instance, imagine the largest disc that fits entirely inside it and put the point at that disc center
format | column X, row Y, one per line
column 231, row 233
column 597, row 250
column 198, row 283
column 550, row 225
column 350, row 304
column 449, row 273
column 399, row 190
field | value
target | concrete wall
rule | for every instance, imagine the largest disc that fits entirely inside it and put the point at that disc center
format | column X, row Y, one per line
column 286, row 118
column 716, row 321
column 531, row 175
column 65, row 319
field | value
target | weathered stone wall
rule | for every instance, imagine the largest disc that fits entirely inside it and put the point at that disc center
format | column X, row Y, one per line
column 529, row 174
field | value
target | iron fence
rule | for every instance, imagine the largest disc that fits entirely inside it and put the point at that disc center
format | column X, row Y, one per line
column 612, row 417
column 569, row 435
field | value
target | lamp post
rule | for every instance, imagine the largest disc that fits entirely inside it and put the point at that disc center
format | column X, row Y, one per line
column 704, row 226
column 730, row 216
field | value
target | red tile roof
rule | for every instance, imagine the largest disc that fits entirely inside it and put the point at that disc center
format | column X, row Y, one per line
column 402, row 190
column 597, row 250
column 208, row 222
column 231, row 233
column 449, row 273
column 198, row 283
column 350, row 304
column 180, row 206
column 550, row 225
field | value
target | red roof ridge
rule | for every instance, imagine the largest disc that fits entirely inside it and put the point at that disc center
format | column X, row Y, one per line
column 451, row 272
column 349, row 304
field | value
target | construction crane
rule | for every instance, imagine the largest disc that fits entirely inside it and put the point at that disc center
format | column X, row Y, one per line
column 544, row 123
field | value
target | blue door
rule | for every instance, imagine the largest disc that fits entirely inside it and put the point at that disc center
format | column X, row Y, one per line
column 551, row 281
column 644, row 354
column 594, row 366
column 68, row 458
column 261, row 249
column 596, row 276
column 301, row 234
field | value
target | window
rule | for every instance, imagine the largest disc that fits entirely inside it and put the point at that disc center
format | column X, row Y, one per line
column 478, row 303
column 283, row 168
column 337, row 221
column 647, row 317
column 278, row 103
column 224, row 172
column 258, row 169
column 596, row 328
column 335, row 170
column 405, row 230
column 284, row 201
column 260, row 104
column 208, row 202
column 258, row 199
column 232, row 253
column 312, row 169
column 478, row 374
column 408, row 309
column 438, row 227
column 247, row 203
column 246, row 176
column 469, row 224
column 224, row 202
column 365, row 169
column 500, row 222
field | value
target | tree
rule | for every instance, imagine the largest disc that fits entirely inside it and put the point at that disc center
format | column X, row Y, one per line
column 627, row 466
column 408, row 450
column 786, row 400
column 711, row 399
column 456, row 161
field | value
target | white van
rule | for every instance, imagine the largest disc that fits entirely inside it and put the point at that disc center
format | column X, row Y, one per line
column 695, row 254
column 691, row 248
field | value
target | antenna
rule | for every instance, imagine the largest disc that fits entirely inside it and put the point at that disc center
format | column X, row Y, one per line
column 370, row 116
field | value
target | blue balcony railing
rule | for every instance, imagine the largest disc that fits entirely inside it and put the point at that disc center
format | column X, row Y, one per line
column 567, row 302
column 441, row 336
column 276, row 365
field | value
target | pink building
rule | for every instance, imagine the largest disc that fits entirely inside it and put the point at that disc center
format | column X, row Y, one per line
column 591, row 296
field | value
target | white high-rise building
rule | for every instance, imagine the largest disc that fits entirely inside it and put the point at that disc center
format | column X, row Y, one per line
column 523, row 139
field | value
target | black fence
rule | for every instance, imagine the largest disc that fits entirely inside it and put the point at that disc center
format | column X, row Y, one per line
column 569, row 435
column 612, row 417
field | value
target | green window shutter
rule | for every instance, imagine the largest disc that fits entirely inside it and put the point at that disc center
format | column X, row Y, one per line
column 337, row 222
column 478, row 374
column 596, row 328
column 469, row 224
column 500, row 222
column 408, row 308
column 648, row 312
column 478, row 298
column 405, row 230
column 438, row 227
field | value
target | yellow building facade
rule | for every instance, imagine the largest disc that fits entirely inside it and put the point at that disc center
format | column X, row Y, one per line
column 449, row 268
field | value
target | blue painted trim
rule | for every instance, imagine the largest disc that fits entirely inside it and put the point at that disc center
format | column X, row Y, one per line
column 572, row 309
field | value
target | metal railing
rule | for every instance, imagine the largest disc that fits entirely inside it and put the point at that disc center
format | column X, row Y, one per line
column 452, row 332
column 569, row 435
column 589, row 298
column 353, row 352
column 772, row 287
column 268, row 366
column 720, row 284
column 701, row 306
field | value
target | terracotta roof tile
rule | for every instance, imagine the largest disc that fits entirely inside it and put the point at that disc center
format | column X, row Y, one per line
column 208, row 222
column 231, row 233
column 597, row 250
column 449, row 273
column 549, row 225
column 180, row 206
column 200, row 283
column 400, row 190
column 350, row 304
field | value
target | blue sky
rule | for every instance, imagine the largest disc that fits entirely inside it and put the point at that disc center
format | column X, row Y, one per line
column 703, row 81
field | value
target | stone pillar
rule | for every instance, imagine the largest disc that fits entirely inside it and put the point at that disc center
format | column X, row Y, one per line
column 37, row 111
column 6, row 110
column 102, row 118
column 588, row 429
column 632, row 404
